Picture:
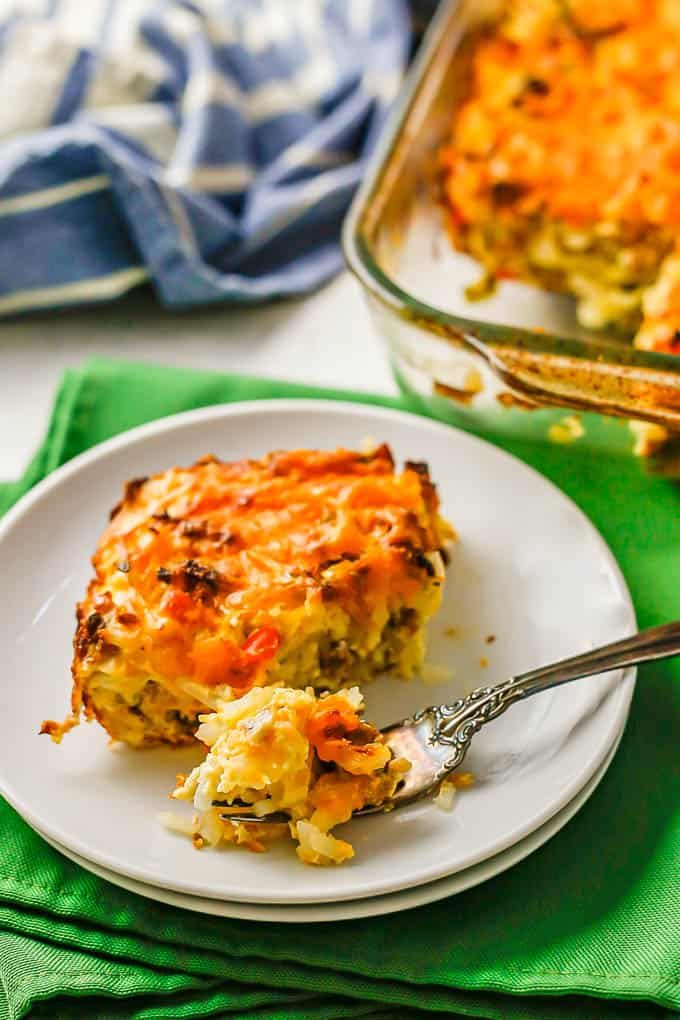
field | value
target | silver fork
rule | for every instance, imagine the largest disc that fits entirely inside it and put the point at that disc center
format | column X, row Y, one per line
column 436, row 739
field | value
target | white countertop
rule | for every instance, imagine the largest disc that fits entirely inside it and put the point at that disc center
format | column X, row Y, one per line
column 326, row 338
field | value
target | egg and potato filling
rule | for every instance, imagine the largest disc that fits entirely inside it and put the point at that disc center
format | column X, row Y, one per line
column 278, row 749
column 304, row 568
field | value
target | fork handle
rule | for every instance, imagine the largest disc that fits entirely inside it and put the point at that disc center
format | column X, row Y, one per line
column 654, row 643
column 455, row 725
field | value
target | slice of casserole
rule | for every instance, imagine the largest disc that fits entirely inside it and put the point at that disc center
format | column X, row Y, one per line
column 563, row 162
column 304, row 568
column 279, row 749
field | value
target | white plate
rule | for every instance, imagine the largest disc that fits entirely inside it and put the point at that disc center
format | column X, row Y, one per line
column 530, row 569
column 372, row 906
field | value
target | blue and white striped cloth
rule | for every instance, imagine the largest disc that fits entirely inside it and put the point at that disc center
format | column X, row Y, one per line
column 208, row 146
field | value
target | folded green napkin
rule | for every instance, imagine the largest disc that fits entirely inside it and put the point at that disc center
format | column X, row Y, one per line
column 588, row 927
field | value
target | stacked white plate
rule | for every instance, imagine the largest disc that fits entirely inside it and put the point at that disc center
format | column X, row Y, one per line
column 530, row 581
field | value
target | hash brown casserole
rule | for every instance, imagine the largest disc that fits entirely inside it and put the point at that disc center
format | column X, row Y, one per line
column 563, row 163
column 278, row 749
column 302, row 568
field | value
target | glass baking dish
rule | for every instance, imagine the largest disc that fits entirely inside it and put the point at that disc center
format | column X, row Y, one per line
column 512, row 362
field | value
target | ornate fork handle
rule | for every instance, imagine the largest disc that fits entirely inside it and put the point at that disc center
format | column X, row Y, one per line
column 455, row 725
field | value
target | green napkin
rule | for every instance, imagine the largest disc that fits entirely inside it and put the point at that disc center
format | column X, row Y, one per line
column 587, row 927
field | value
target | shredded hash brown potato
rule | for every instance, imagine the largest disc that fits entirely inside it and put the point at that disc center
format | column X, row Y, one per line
column 279, row 749
column 563, row 164
column 303, row 568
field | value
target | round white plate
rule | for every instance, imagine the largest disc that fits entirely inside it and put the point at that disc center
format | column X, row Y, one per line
column 371, row 906
column 530, row 570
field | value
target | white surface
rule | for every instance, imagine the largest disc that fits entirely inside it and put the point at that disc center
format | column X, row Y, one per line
column 372, row 906
column 530, row 569
column 326, row 338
